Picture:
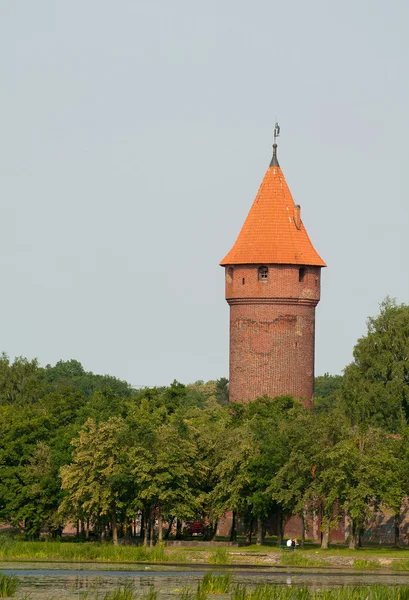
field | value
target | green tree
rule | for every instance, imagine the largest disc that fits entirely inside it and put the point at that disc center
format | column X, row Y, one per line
column 368, row 476
column 95, row 479
column 165, row 467
column 222, row 391
column 23, row 431
column 72, row 373
column 326, row 391
column 21, row 382
column 376, row 387
column 207, row 426
column 298, row 485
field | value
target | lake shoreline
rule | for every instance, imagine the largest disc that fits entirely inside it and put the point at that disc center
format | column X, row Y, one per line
column 262, row 561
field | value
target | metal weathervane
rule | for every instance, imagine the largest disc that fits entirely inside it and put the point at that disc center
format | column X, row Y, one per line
column 276, row 131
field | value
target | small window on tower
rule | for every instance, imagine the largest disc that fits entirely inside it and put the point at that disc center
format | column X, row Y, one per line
column 262, row 273
column 301, row 273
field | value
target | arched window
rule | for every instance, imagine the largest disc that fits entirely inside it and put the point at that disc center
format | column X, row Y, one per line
column 262, row 273
column 301, row 274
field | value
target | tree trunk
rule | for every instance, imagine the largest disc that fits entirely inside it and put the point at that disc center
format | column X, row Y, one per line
column 145, row 527
column 142, row 525
column 160, row 526
column 397, row 530
column 169, row 529
column 78, row 529
column 280, row 527
column 233, row 532
column 128, row 528
column 348, row 528
column 354, row 538
column 103, row 535
column 260, row 532
column 325, row 538
column 303, row 527
column 214, row 530
column 249, row 532
column 179, row 529
column 152, row 528
column 114, row 526
column 87, row 529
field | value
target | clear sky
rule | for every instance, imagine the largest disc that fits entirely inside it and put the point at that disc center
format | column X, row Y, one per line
column 133, row 137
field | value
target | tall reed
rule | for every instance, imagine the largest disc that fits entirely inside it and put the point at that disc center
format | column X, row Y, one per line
column 125, row 593
column 216, row 584
column 376, row 592
column 8, row 585
column 186, row 594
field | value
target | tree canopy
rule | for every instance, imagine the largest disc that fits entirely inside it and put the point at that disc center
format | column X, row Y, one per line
column 90, row 448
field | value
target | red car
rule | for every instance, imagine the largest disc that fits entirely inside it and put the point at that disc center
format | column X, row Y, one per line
column 197, row 529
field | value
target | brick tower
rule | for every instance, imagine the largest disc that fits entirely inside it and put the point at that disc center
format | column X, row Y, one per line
column 272, row 287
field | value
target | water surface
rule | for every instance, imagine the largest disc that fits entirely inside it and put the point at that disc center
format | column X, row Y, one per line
column 69, row 581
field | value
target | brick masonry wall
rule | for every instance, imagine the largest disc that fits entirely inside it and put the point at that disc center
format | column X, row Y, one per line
column 272, row 330
column 282, row 283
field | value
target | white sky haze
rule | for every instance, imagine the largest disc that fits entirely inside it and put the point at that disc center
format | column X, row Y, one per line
column 134, row 137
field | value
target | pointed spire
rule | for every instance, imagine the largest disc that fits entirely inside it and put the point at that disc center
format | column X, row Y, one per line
column 273, row 232
column 274, row 160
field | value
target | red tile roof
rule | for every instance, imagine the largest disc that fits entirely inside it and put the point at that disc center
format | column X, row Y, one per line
column 269, row 234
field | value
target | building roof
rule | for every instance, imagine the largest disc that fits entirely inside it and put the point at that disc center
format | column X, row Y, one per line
column 272, row 232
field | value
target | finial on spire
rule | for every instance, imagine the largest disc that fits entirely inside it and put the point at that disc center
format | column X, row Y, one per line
column 274, row 160
column 276, row 131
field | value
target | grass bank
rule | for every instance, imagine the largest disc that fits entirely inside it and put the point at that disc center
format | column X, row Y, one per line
column 310, row 556
column 83, row 551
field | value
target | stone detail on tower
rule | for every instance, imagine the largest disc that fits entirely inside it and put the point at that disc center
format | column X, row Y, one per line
column 272, row 287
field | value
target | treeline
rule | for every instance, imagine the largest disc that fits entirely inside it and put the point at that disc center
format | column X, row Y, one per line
column 75, row 446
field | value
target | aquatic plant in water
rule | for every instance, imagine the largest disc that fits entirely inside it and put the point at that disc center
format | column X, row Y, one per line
column 186, row 594
column 376, row 592
column 216, row 584
column 201, row 594
column 125, row 593
column 151, row 594
column 8, row 585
